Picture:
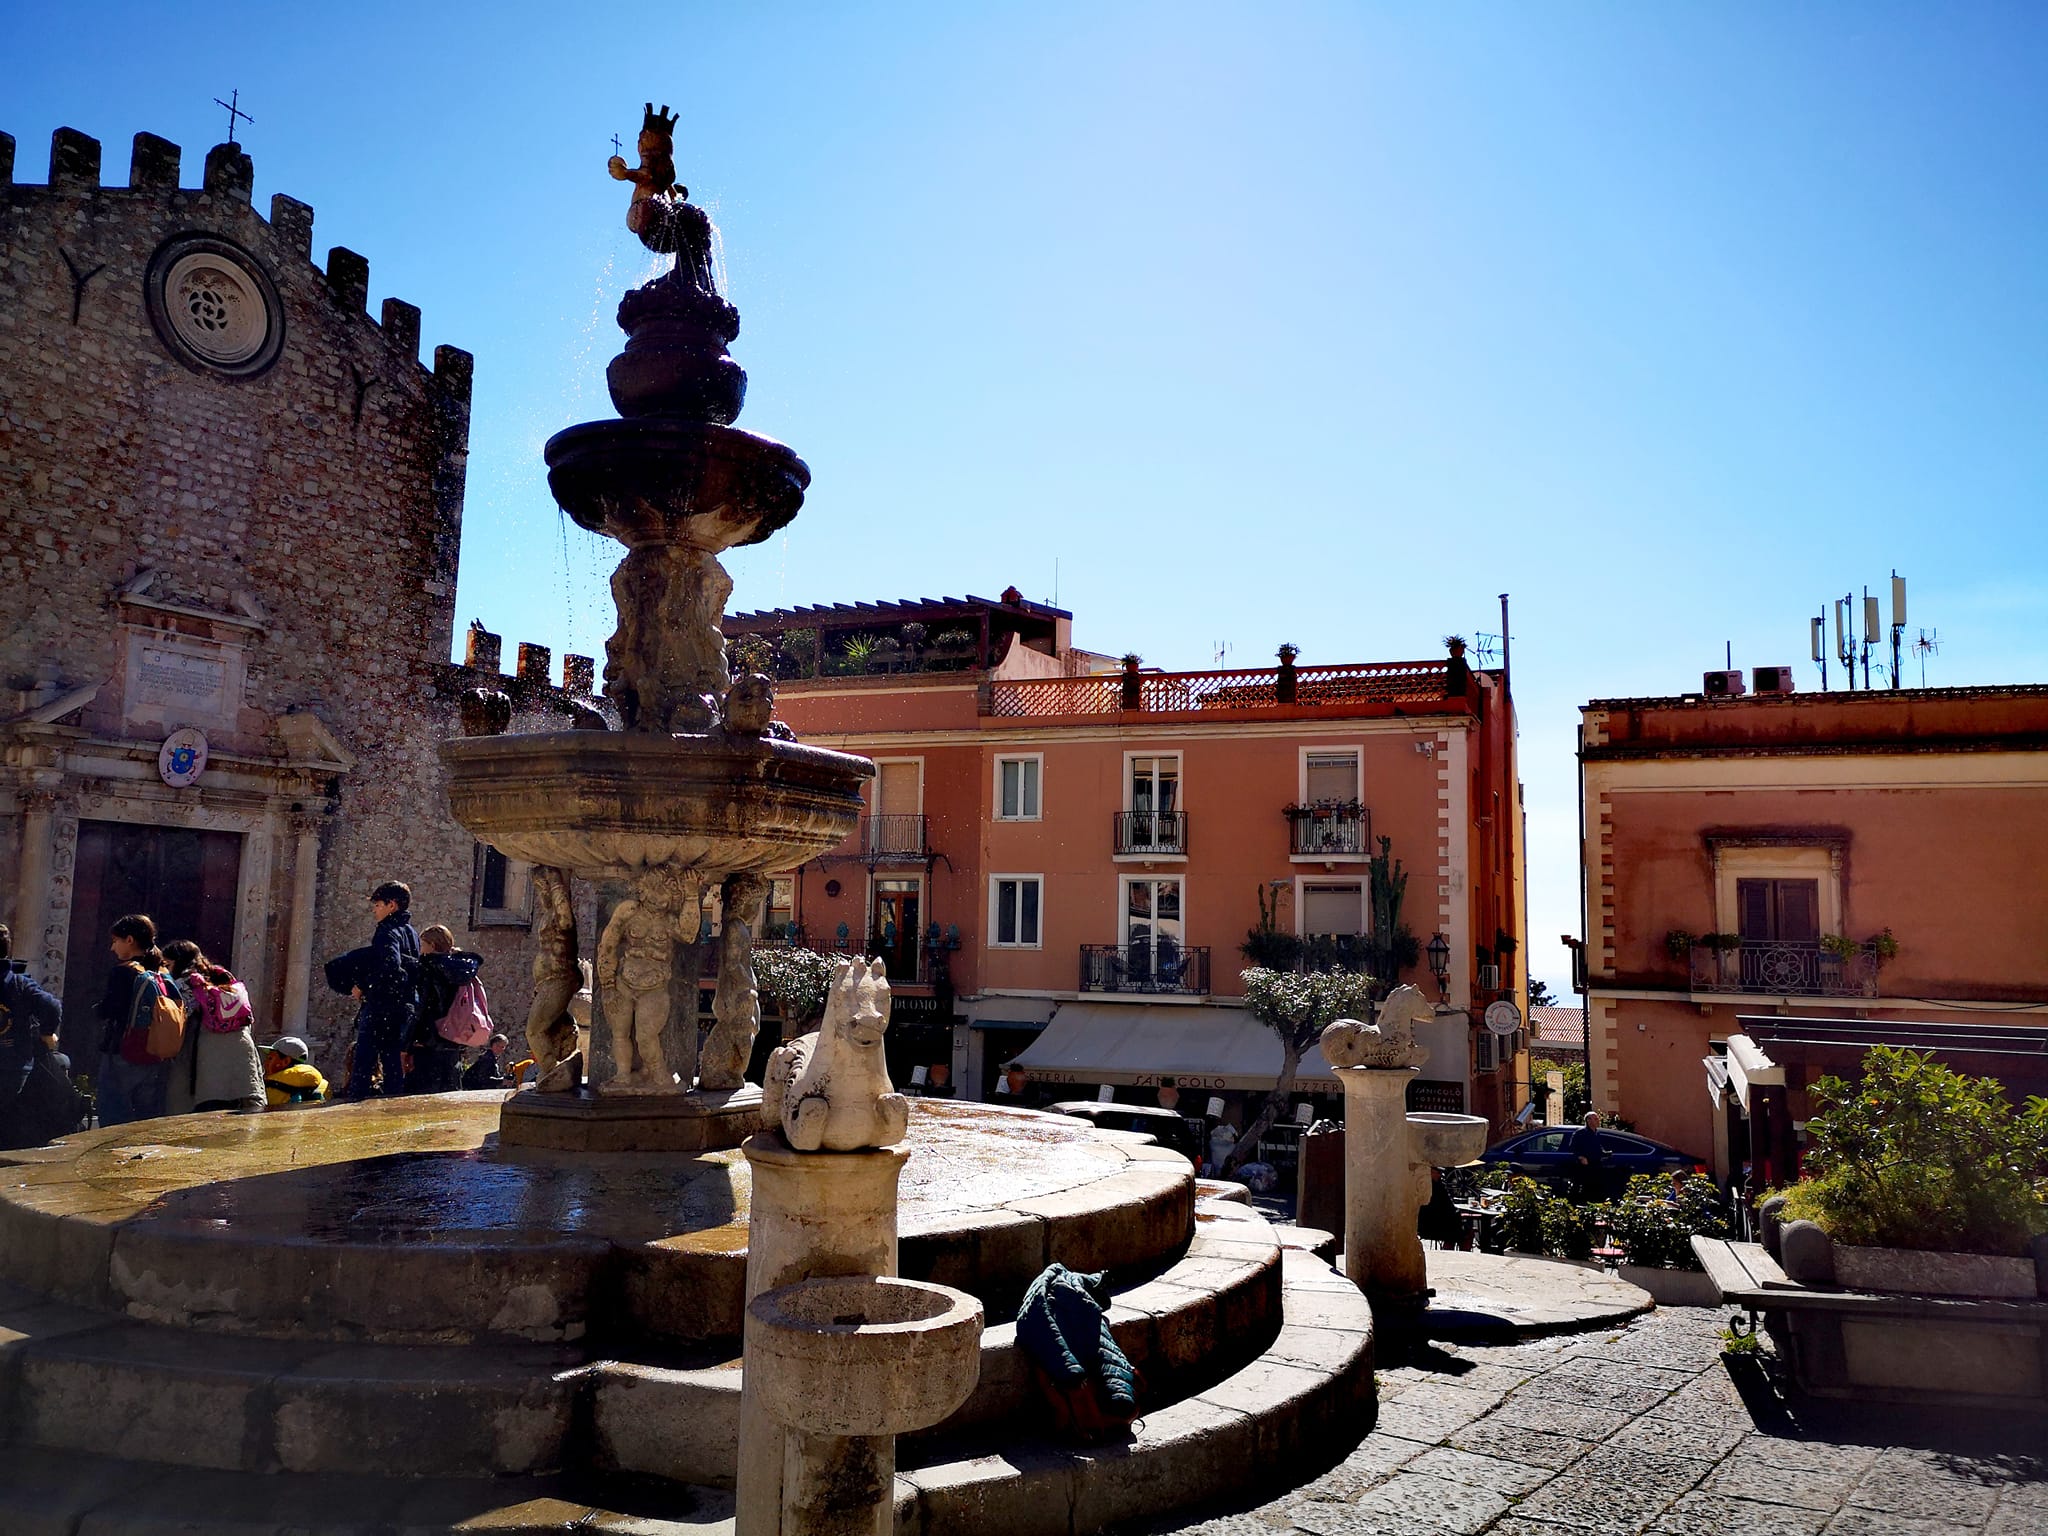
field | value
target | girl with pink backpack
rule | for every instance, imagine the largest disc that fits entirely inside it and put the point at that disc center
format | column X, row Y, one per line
column 217, row 1066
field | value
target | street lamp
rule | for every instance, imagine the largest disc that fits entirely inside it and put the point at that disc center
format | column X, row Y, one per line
column 1439, row 960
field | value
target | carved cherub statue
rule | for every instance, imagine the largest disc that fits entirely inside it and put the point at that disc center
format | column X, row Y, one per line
column 654, row 180
column 1389, row 1041
column 829, row 1091
column 557, row 973
column 750, row 704
column 635, row 960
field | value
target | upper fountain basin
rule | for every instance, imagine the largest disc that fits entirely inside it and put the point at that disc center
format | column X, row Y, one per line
column 1447, row 1141
column 606, row 804
column 658, row 480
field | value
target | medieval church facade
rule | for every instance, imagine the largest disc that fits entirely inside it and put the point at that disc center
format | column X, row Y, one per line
column 230, row 515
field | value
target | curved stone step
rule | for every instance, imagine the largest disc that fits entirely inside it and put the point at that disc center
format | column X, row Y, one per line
column 1202, row 1317
column 1302, row 1401
column 76, row 1380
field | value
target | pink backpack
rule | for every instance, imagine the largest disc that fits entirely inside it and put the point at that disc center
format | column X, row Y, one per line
column 468, row 1020
column 223, row 1010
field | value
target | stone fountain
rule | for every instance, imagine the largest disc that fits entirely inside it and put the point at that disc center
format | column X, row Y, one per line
column 1388, row 1152
column 701, row 789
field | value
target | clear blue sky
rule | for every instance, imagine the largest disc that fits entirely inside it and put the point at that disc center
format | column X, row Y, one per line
column 1310, row 323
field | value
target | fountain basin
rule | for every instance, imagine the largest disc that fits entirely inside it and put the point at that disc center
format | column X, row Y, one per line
column 659, row 480
column 1446, row 1141
column 863, row 1354
column 607, row 805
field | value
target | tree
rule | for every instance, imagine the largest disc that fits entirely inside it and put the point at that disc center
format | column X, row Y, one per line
column 797, row 981
column 1297, row 1006
column 1539, row 994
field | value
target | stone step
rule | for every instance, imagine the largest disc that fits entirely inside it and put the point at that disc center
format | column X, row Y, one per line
column 81, row 1494
column 1204, row 1316
column 76, row 1380
column 1303, row 1401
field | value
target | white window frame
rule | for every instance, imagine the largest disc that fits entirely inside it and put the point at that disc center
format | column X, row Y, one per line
column 1123, row 904
column 1180, row 762
column 994, row 881
column 1330, row 749
column 518, row 913
column 1803, row 861
column 996, row 800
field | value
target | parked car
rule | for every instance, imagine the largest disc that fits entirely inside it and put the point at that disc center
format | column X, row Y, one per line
column 1168, row 1127
column 1544, row 1154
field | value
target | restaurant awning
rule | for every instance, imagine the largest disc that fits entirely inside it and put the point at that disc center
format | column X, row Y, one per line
column 1136, row 1044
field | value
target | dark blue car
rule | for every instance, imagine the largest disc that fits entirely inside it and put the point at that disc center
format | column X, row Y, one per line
column 1544, row 1154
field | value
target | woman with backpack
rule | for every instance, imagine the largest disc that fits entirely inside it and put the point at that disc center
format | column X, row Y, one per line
column 453, row 1012
column 136, row 1014
column 218, row 1068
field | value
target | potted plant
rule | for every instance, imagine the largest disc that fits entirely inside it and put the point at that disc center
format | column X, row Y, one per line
column 1286, row 688
column 1654, row 1224
column 857, row 650
column 1838, row 945
column 798, row 650
column 1133, row 689
column 1678, row 943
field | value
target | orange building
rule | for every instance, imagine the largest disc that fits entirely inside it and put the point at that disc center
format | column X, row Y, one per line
column 1065, row 853
column 1806, row 875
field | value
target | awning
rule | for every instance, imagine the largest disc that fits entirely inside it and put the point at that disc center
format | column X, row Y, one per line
column 1717, row 1079
column 1136, row 1044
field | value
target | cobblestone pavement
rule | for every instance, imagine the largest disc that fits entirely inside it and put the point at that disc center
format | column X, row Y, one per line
column 1648, row 1430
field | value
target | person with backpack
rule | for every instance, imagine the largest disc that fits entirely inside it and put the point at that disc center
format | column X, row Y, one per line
column 289, row 1077
column 218, row 1067
column 30, row 1020
column 388, row 991
column 453, row 1012
column 142, row 1016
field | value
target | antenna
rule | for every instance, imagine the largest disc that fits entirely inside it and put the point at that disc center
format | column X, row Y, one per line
column 1898, row 620
column 1055, row 581
column 1929, row 644
column 1819, row 623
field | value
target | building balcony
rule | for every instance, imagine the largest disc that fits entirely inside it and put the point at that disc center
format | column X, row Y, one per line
column 1330, row 830
column 1784, row 968
column 893, row 839
column 1151, row 834
column 1164, row 970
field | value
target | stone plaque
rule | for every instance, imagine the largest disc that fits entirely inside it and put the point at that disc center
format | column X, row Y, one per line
column 174, row 680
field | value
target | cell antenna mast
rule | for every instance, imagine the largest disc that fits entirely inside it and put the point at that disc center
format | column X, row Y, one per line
column 1898, row 621
column 1819, row 624
column 234, row 106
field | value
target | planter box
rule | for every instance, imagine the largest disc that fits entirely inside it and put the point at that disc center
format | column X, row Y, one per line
column 1921, row 1273
column 1673, row 1287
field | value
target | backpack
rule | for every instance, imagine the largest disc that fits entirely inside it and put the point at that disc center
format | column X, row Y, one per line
column 224, row 1009
column 468, row 1020
column 154, row 1036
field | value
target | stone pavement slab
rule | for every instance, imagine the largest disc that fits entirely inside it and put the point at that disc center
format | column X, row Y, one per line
column 1644, row 1429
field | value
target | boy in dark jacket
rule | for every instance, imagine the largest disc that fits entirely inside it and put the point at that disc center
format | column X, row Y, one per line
column 388, row 993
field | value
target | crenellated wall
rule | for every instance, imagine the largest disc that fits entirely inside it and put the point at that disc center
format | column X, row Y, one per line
column 229, row 498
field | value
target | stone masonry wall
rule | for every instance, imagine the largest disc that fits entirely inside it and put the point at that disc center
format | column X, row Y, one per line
column 328, row 488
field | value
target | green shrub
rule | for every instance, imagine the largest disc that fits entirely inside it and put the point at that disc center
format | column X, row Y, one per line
column 1915, row 1155
column 1655, row 1229
column 1568, row 1227
column 1521, row 1221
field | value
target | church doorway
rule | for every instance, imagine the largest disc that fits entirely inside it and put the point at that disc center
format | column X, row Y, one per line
column 186, row 880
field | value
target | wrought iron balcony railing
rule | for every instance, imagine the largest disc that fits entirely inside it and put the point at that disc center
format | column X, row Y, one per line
column 1153, row 968
column 1161, row 832
column 1785, row 968
column 893, row 837
column 1330, row 828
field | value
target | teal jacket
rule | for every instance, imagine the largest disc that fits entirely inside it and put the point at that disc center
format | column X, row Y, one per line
column 1064, row 1326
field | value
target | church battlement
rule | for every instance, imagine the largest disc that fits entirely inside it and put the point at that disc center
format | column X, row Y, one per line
column 155, row 165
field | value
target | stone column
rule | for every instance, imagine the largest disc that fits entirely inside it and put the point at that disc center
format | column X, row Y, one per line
column 32, row 878
column 812, row 1214
column 1384, row 1188
column 298, row 964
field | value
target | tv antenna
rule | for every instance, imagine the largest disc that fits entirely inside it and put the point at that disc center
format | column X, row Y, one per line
column 1486, row 647
column 1929, row 644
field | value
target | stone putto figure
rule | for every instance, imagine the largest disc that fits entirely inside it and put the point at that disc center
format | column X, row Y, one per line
column 736, row 1005
column 557, row 974
column 830, row 1091
column 636, row 961
column 1389, row 1041
column 654, row 180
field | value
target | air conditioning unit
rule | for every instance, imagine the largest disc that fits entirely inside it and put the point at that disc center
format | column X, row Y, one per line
column 1774, row 680
column 1489, row 978
column 1722, row 685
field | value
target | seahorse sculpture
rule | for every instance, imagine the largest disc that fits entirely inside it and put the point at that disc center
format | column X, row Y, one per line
column 1389, row 1041
column 829, row 1091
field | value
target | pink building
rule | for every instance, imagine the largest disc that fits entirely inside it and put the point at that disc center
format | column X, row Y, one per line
column 1776, row 882
column 1065, row 853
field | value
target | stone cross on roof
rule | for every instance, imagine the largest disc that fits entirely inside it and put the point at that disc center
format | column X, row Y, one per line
column 234, row 106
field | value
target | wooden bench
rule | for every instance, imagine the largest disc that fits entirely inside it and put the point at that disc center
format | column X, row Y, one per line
column 1956, row 1350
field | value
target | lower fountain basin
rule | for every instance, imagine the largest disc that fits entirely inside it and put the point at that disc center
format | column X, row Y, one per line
column 1447, row 1141
column 605, row 804
column 863, row 1355
column 659, row 480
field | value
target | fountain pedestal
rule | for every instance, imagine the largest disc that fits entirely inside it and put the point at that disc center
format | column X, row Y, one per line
column 587, row 1121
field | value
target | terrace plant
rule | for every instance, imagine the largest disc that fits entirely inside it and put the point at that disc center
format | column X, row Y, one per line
column 1654, row 1223
column 1915, row 1155
column 797, row 981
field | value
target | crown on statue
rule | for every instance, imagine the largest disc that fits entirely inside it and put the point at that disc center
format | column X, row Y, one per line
column 662, row 122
